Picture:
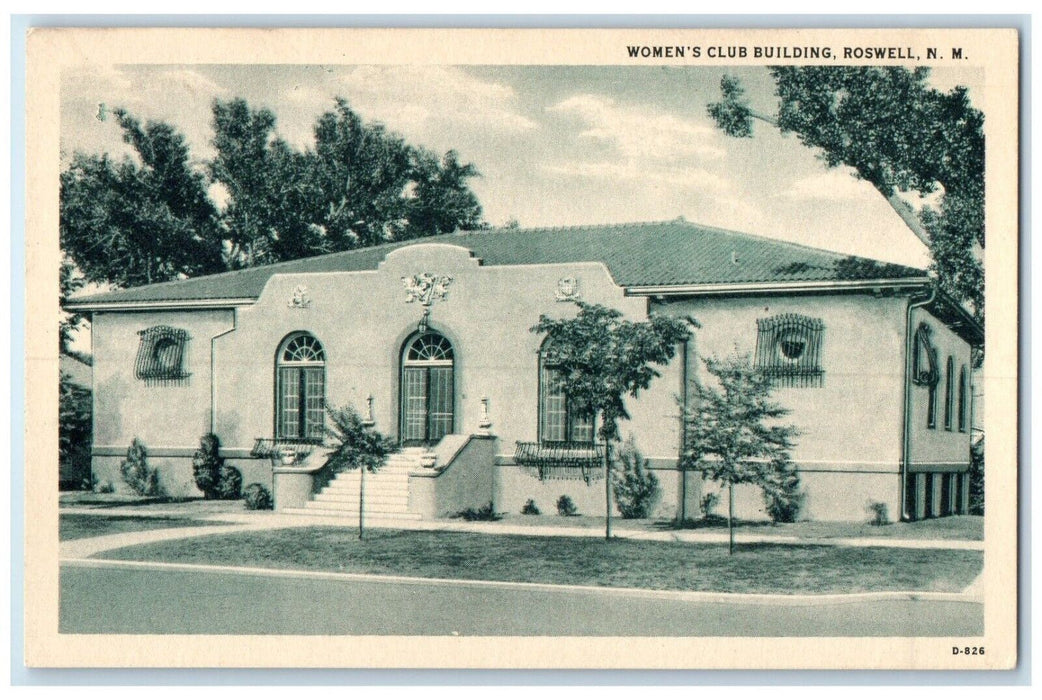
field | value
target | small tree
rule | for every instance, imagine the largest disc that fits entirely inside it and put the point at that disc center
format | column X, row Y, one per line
column 636, row 486
column 74, row 427
column 729, row 437
column 206, row 465
column 602, row 358
column 358, row 446
column 139, row 476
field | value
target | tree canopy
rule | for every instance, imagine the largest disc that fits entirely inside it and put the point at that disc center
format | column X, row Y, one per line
column 139, row 221
column 899, row 134
column 151, row 217
column 602, row 358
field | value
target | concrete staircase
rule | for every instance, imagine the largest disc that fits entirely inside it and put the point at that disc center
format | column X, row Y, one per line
column 386, row 491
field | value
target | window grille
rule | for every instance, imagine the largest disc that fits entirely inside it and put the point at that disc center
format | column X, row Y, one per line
column 925, row 371
column 160, row 354
column 788, row 349
column 300, row 391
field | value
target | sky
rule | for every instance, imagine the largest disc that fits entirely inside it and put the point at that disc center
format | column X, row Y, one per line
column 555, row 145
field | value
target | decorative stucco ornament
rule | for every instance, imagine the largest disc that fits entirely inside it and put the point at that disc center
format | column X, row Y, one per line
column 426, row 288
column 567, row 289
column 300, row 298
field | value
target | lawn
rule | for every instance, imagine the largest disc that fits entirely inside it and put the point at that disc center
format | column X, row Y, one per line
column 959, row 527
column 74, row 526
column 962, row 527
column 759, row 568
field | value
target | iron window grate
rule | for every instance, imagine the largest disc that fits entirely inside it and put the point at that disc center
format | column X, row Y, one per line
column 788, row 349
column 160, row 354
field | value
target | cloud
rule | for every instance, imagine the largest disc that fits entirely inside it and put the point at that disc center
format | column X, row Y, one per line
column 639, row 132
column 432, row 99
column 688, row 178
column 838, row 185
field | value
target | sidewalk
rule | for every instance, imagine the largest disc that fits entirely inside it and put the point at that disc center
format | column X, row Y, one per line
column 268, row 520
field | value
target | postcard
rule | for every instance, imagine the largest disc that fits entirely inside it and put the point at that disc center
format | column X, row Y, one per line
column 522, row 348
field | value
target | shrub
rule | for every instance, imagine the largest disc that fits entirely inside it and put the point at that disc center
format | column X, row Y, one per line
column 206, row 465
column 634, row 485
column 565, row 506
column 708, row 503
column 977, row 478
column 485, row 512
column 880, row 513
column 213, row 477
column 257, row 497
column 782, row 495
column 141, row 478
column 229, row 483
column 530, row 508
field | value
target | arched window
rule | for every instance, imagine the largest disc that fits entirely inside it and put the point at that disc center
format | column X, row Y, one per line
column 949, row 393
column 301, row 392
column 558, row 419
column 962, row 399
column 428, row 389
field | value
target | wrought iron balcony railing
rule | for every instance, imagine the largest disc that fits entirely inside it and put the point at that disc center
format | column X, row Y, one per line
column 562, row 460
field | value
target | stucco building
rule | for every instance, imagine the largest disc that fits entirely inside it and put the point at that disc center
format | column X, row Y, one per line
column 432, row 338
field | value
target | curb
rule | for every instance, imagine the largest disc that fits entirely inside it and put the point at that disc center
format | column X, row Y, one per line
column 795, row 600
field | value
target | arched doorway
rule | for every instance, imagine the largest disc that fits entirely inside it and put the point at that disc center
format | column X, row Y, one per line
column 428, row 389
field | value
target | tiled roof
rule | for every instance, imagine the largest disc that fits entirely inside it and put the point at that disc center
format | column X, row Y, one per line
column 637, row 255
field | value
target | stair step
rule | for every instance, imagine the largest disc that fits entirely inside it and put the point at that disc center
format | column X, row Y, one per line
column 348, row 515
column 370, row 499
column 353, row 505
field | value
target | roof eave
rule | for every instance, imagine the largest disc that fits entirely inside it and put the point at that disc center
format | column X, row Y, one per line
column 955, row 315
column 725, row 288
column 158, row 305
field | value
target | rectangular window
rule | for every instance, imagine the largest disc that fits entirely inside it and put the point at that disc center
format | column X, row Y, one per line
column 788, row 349
column 962, row 399
column 558, row 421
column 949, row 394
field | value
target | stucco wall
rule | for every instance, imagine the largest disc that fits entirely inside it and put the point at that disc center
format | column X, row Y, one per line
column 168, row 414
column 937, row 449
column 362, row 320
column 853, row 421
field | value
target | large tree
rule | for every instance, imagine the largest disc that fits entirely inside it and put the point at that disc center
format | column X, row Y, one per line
column 602, row 358
column 266, row 215
column 143, row 220
column 150, row 218
column 359, row 185
column 899, row 134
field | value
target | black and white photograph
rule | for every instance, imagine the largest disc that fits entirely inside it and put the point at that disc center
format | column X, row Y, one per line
column 676, row 335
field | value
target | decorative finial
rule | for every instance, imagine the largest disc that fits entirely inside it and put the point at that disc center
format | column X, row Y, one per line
column 485, row 423
column 368, row 421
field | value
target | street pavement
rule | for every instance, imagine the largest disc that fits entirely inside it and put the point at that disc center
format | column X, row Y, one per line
column 101, row 597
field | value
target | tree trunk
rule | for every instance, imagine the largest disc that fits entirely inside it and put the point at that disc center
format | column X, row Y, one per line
column 361, row 500
column 730, row 517
column 607, row 490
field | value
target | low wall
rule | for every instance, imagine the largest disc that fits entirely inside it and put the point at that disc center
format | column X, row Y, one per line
column 466, row 482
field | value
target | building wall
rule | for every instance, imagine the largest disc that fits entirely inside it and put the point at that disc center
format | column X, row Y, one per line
column 849, row 443
column 937, row 449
